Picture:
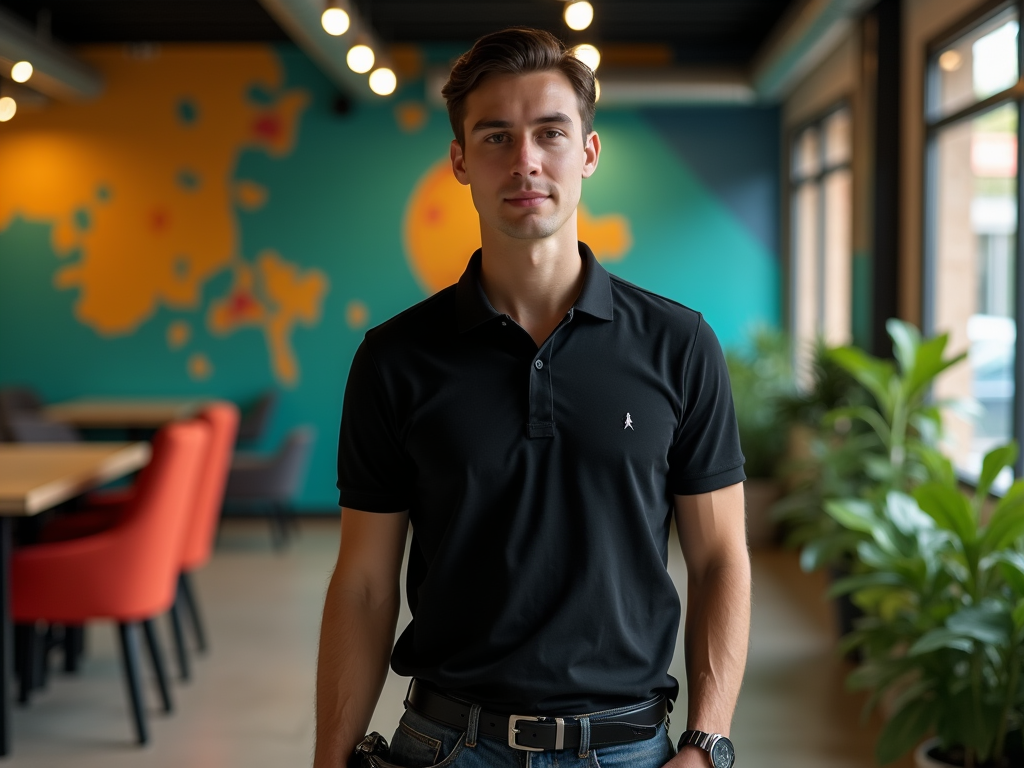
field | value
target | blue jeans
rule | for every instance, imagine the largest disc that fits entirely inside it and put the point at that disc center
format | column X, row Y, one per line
column 422, row 743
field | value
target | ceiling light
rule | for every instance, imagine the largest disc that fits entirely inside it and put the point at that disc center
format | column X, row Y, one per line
column 21, row 72
column 578, row 14
column 597, row 90
column 360, row 58
column 588, row 54
column 383, row 81
column 950, row 61
column 335, row 21
column 7, row 108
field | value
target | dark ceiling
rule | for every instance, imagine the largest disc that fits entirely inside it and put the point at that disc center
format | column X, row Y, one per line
column 696, row 31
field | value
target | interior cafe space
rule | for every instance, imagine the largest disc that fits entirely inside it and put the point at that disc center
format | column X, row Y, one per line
column 208, row 206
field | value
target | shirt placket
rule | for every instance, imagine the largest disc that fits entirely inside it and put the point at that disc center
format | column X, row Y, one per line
column 541, row 422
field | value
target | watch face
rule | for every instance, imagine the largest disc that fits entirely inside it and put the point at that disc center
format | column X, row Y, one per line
column 722, row 754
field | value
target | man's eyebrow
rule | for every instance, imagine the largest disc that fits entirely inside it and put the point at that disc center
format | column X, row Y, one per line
column 555, row 117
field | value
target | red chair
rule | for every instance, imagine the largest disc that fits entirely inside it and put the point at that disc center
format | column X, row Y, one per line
column 128, row 572
column 223, row 419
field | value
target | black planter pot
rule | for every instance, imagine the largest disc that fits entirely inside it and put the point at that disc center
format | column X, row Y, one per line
column 846, row 612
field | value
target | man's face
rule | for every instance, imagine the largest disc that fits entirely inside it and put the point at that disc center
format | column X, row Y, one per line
column 524, row 157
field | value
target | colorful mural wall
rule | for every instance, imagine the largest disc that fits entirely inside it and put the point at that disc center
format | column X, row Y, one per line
column 212, row 226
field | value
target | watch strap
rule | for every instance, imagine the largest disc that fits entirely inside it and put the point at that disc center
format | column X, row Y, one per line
column 701, row 739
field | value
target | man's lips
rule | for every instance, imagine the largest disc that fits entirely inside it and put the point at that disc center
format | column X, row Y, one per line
column 526, row 200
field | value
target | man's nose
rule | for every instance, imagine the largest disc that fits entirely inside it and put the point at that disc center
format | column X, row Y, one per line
column 527, row 159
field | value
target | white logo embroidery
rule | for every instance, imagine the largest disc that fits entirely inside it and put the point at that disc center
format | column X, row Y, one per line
column 629, row 422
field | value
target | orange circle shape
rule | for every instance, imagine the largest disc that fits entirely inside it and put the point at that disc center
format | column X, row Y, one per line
column 441, row 228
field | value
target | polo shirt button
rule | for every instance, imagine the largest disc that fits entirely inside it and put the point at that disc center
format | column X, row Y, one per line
column 539, row 364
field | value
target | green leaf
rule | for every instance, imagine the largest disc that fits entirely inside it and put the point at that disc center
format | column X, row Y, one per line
column 989, row 623
column 941, row 638
column 871, row 372
column 1018, row 614
column 854, row 514
column 906, row 728
column 993, row 464
column 949, row 508
column 1007, row 522
column 906, row 515
column 1011, row 566
column 905, row 342
column 864, row 580
column 928, row 364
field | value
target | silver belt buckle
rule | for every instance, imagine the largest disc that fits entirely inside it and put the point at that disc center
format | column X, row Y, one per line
column 513, row 720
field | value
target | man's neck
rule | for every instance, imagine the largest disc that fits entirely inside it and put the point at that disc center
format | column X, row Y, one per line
column 535, row 282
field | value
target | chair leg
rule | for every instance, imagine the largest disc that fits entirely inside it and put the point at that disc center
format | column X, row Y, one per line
column 179, row 640
column 74, row 646
column 27, row 640
column 191, row 606
column 156, row 655
column 130, row 655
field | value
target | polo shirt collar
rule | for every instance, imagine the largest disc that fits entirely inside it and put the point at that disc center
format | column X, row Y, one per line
column 473, row 308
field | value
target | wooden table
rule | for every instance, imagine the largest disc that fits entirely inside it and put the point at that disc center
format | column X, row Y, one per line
column 124, row 412
column 35, row 477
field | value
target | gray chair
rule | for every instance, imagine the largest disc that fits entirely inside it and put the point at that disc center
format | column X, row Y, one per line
column 256, row 417
column 22, row 419
column 272, row 481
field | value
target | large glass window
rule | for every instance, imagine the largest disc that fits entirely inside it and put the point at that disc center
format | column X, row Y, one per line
column 820, row 251
column 973, row 255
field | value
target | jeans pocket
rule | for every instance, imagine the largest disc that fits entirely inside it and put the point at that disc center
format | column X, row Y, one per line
column 650, row 753
column 419, row 743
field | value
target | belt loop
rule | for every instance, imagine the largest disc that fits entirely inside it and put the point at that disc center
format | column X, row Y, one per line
column 584, row 737
column 408, row 690
column 474, row 722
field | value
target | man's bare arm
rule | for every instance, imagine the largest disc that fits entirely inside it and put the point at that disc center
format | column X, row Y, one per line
column 712, row 535
column 358, row 631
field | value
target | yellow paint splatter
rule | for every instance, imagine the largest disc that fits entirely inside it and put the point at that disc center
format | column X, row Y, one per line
column 250, row 196
column 441, row 229
column 199, row 367
column 357, row 314
column 273, row 296
column 178, row 334
column 411, row 116
column 155, row 241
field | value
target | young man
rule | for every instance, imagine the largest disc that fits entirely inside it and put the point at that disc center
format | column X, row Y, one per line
column 539, row 424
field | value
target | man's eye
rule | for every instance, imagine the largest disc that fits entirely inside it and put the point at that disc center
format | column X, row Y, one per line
column 498, row 138
column 552, row 134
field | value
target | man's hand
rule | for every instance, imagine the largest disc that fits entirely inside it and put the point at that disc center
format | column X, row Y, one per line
column 690, row 757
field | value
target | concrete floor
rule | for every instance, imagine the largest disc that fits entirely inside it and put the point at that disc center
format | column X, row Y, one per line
column 250, row 703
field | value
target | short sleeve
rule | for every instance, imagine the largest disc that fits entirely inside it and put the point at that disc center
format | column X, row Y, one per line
column 705, row 455
column 374, row 472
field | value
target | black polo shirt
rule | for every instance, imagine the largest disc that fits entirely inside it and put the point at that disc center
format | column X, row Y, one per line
column 539, row 484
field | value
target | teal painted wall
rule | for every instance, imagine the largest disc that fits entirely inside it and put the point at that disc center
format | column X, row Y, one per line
column 697, row 187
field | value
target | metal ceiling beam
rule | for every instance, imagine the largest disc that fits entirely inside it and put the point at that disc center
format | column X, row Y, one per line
column 807, row 33
column 57, row 73
column 301, row 20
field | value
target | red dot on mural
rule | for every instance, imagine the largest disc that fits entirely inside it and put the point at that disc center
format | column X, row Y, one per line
column 268, row 126
column 241, row 303
column 434, row 214
column 159, row 219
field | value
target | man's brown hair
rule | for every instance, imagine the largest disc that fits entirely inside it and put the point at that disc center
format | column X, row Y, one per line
column 516, row 51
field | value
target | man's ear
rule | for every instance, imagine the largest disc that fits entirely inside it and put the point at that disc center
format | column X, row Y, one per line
column 591, row 153
column 458, row 156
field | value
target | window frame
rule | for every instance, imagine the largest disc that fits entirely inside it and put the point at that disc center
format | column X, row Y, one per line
column 792, row 184
column 933, row 126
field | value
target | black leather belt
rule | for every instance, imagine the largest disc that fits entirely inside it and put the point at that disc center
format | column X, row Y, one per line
column 537, row 734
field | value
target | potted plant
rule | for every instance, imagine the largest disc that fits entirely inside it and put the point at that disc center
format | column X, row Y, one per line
column 761, row 376
column 942, row 590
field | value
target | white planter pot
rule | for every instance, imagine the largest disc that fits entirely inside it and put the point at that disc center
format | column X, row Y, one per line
column 921, row 759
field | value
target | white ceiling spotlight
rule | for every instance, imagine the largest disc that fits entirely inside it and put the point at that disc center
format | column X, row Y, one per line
column 578, row 14
column 589, row 55
column 335, row 19
column 21, row 72
column 383, row 81
column 360, row 58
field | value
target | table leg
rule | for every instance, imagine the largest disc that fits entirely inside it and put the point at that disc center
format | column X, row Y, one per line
column 6, row 636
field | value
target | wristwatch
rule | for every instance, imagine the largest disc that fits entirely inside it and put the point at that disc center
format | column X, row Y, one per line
column 720, row 750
